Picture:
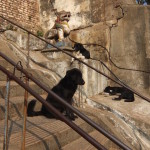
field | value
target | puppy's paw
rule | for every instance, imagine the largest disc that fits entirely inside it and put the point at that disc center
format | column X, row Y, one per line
column 71, row 116
column 116, row 99
column 128, row 100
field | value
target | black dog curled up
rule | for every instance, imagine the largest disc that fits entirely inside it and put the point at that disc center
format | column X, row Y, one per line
column 66, row 88
column 124, row 93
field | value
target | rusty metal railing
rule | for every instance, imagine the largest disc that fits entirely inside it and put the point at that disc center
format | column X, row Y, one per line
column 51, row 109
column 25, row 114
column 112, row 138
column 5, row 147
column 59, row 99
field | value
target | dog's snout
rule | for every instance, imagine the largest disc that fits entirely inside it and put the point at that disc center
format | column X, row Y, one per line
column 83, row 82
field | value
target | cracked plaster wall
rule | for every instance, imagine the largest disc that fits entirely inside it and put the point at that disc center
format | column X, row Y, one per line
column 130, row 46
column 109, row 24
column 92, row 23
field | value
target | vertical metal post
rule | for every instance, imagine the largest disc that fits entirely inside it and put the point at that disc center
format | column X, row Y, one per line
column 5, row 145
column 24, row 115
column 79, row 88
column 28, row 57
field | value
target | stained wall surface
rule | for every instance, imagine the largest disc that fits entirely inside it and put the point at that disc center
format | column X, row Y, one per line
column 130, row 46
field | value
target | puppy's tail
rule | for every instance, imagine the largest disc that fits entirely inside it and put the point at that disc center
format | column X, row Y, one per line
column 30, row 110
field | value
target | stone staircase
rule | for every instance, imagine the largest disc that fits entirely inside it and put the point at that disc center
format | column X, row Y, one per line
column 41, row 133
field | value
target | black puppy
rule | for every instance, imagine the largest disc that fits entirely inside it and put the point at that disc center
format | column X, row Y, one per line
column 124, row 93
column 80, row 52
column 79, row 48
column 65, row 89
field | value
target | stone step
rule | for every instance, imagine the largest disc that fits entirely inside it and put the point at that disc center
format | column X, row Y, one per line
column 16, row 106
column 17, row 90
column 82, row 144
column 123, row 119
column 42, row 133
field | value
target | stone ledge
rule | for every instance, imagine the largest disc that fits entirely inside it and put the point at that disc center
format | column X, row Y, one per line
column 131, row 120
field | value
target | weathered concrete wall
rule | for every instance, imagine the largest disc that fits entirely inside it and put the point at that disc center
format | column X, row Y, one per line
column 21, row 39
column 129, row 46
column 90, row 20
column 90, row 23
column 84, row 12
column 87, row 17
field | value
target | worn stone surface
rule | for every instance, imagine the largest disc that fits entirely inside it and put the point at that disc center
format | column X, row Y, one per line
column 129, row 47
column 97, row 11
column 111, row 24
column 48, row 77
column 75, row 7
column 84, row 12
column 21, row 39
column 127, row 121
column 93, row 21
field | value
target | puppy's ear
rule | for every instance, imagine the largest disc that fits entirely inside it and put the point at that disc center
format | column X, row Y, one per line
column 70, row 74
column 67, row 72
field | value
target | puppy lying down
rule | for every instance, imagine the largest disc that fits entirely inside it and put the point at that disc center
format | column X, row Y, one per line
column 65, row 89
column 124, row 93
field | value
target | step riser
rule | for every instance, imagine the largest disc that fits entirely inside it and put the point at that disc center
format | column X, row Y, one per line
column 54, row 140
column 16, row 109
column 17, row 90
column 59, row 140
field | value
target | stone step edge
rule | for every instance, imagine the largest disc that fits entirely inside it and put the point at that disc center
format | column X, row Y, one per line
column 81, row 143
column 66, row 132
column 16, row 106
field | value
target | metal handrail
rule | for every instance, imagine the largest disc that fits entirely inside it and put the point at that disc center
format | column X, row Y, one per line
column 115, row 140
column 121, row 84
column 52, row 109
column 59, row 99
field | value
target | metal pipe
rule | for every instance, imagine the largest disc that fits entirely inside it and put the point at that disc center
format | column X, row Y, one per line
column 14, row 71
column 59, row 99
column 25, row 115
column 50, row 108
column 28, row 57
column 79, row 87
column 5, row 146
